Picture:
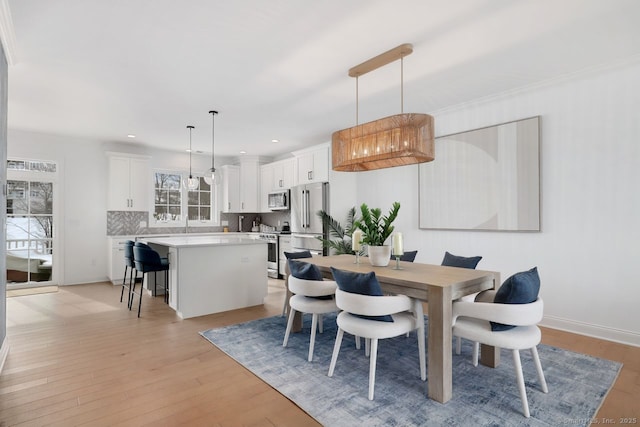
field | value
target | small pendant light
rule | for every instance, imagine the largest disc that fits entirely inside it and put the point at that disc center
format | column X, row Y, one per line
column 212, row 177
column 191, row 183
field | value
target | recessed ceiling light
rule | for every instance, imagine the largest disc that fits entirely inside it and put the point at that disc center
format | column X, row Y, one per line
column 188, row 150
column 131, row 135
column 243, row 152
column 275, row 140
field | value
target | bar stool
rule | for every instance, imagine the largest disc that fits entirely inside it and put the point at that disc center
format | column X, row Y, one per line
column 128, row 264
column 146, row 260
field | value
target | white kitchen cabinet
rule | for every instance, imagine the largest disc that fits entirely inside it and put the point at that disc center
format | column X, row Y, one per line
column 230, row 188
column 129, row 187
column 249, row 185
column 116, row 258
column 241, row 187
column 284, row 245
column 266, row 181
column 283, row 174
column 313, row 164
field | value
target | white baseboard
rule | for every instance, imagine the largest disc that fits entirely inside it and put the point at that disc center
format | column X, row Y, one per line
column 4, row 352
column 588, row 329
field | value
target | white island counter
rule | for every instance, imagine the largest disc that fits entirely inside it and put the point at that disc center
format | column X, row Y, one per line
column 211, row 274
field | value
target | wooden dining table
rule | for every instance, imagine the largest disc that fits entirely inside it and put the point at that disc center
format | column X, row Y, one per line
column 438, row 286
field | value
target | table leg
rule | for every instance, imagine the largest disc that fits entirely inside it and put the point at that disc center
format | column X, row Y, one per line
column 489, row 355
column 439, row 348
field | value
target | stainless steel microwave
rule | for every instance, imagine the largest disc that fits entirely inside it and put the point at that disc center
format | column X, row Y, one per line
column 279, row 200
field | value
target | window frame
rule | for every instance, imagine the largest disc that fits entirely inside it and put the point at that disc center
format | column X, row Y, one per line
column 184, row 204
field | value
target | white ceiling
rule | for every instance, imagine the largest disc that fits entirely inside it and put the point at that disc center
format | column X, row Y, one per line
column 101, row 69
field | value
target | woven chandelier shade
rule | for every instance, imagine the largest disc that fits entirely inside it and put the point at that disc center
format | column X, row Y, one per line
column 399, row 140
column 403, row 139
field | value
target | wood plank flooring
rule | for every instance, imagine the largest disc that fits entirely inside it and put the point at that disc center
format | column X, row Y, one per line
column 79, row 357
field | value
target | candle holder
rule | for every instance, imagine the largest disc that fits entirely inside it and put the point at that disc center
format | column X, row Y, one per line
column 397, row 267
column 357, row 261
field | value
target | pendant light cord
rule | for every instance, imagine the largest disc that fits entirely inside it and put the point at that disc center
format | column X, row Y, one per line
column 213, row 128
column 402, row 85
column 190, row 151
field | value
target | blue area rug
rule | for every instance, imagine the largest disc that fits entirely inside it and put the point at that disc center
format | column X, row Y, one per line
column 482, row 396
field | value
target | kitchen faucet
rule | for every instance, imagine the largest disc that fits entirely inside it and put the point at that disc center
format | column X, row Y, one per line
column 240, row 218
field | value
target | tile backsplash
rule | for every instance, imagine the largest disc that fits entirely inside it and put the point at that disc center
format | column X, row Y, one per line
column 126, row 223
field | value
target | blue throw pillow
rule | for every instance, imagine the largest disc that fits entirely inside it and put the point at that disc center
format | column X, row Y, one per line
column 304, row 270
column 360, row 283
column 450, row 260
column 407, row 256
column 521, row 288
column 297, row 255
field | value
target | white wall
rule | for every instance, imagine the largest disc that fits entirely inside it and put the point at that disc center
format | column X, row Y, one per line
column 587, row 251
column 82, row 191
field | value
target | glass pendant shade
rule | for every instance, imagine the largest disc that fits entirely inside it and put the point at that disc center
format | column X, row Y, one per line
column 191, row 183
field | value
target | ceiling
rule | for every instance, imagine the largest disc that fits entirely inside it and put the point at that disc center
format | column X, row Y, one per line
column 102, row 69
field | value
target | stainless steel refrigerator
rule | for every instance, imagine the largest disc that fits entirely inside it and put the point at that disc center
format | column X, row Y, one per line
column 306, row 225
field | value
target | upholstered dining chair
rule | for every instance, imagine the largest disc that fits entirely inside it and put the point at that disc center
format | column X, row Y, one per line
column 369, row 314
column 451, row 260
column 287, row 273
column 128, row 267
column 509, row 326
column 308, row 298
column 147, row 260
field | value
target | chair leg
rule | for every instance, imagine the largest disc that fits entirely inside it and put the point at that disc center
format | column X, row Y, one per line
column 536, row 360
column 357, row 342
column 132, row 289
column 124, row 280
column 292, row 313
column 520, row 380
column 141, row 291
column 422, row 352
column 367, row 349
column 336, row 350
column 320, row 323
column 476, row 350
column 458, row 345
column 132, row 283
column 312, row 340
column 285, row 307
column 372, row 366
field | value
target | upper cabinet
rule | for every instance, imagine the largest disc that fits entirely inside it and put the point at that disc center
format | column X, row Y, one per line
column 283, row 174
column 313, row 164
column 249, row 185
column 129, row 187
column 230, row 188
column 266, row 182
column 241, row 187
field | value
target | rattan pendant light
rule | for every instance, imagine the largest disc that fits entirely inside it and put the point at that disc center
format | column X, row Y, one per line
column 397, row 140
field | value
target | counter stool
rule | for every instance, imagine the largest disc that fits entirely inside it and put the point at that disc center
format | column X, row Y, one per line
column 146, row 260
column 128, row 265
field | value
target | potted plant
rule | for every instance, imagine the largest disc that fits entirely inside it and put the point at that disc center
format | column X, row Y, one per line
column 376, row 229
column 342, row 243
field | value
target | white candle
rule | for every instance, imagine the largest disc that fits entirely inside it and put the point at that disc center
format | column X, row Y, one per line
column 356, row 240
column 397, row 244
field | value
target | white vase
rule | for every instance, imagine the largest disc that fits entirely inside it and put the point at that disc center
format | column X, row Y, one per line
column 379, row 256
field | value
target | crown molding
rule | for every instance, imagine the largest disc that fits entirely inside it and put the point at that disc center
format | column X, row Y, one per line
column 7, row 33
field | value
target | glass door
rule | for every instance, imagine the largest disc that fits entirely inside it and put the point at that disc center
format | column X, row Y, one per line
column 30, row 225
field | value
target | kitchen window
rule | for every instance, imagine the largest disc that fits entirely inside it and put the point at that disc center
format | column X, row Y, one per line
column 172, row 201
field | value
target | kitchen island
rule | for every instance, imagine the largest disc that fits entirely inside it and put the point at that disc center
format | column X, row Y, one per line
column 211, row 274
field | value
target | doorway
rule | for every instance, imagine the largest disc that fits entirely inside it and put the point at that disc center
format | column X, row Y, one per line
column 31, row 223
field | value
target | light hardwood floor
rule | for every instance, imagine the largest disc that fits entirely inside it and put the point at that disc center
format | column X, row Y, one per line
column 79, row 357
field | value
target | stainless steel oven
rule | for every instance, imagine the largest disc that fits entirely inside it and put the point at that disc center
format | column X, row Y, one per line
column 272, row 254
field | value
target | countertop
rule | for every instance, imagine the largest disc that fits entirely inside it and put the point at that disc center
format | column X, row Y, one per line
column 203, row 240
